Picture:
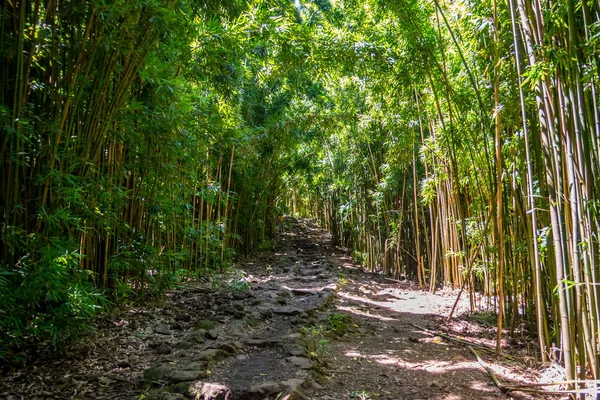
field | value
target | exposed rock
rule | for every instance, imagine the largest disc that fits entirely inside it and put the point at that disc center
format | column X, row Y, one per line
column 240, row 295
column 238, row 329
column 229, row 310
column 196, row 336
column 196, row 366
column 211, row 335
column 162, row 329
column 287, row 310
column 301, row 362
column 292, row 385
column 294, row 395
column 209, row 391
column 263, row 390
column 164, row 349
column 266, row 312
column 211, row 355
column 186, row 376
column 185, row 345
column 158, row 372
column 183, row 317
column 181, row 388
column 206, row 324
column 262, row 343
column 296, row 350
column 231, row 347
column 124, row 364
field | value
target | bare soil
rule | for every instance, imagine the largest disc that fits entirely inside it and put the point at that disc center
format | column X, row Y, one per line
column 301, row 322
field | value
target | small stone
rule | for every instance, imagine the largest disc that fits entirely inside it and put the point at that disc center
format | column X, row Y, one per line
column 124, row 364
column 301, row 362
column 162, row 329
column 183, row 317
column 291, row 385
column 164, row 349
column 157, row 373
column 287, row 310
column 186, row 376
column 195, row 366
column 209, row 391
column 232, row 347
column 211, row 335
column 240, row 295
column 185, row 345
column 211, row 355
column 261, row 343
column 238, row 329
column 264, row 390
column 205, row 324
column 294, row 395
column 181, row 388
column 196, row 336
column 265, row 312
column 229, row 310
column 296, row 350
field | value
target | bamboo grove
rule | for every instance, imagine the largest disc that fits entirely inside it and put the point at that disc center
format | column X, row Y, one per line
column 454, row 143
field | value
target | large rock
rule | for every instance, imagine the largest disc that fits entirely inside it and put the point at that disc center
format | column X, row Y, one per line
column 205, row 324
column 262, row 391
column 287, row 310
column 238, row 329
column 211, row 355
column 301, row 362
column 209, row 391
column 196, row 366
column 196, row 337
column 187, row 376
column 261, row 343
column 162, row 329
column 159, row 372
column 295, row 350
column 231, row 347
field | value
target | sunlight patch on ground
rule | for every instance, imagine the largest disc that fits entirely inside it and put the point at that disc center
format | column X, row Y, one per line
column 409, row 302
column 356, row 311
column 431, row 366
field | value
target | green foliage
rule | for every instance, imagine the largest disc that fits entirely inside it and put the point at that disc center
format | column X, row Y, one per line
column 46, row 298
column 315, row 342
column 338, row 324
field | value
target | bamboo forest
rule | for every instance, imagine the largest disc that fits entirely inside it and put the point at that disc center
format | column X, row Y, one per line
column 154, row 152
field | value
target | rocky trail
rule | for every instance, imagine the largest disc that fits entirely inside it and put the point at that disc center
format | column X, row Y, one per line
column 301, row 322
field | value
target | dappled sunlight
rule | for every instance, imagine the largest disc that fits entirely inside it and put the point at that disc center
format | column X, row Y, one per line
column 356, row 311
column 431, row 366
column 402, row 301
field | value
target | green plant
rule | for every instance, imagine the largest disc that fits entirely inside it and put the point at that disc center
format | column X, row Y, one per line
column 238, row 285
column 315, row 342
column 338, row 324
column 362, row 395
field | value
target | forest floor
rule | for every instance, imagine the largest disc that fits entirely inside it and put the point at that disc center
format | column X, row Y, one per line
column 300, row 322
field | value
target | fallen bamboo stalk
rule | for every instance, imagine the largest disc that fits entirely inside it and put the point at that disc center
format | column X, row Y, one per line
column 488, row 370
column 453, row 339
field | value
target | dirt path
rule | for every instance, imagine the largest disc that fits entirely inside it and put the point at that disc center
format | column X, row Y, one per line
column 299, row 323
